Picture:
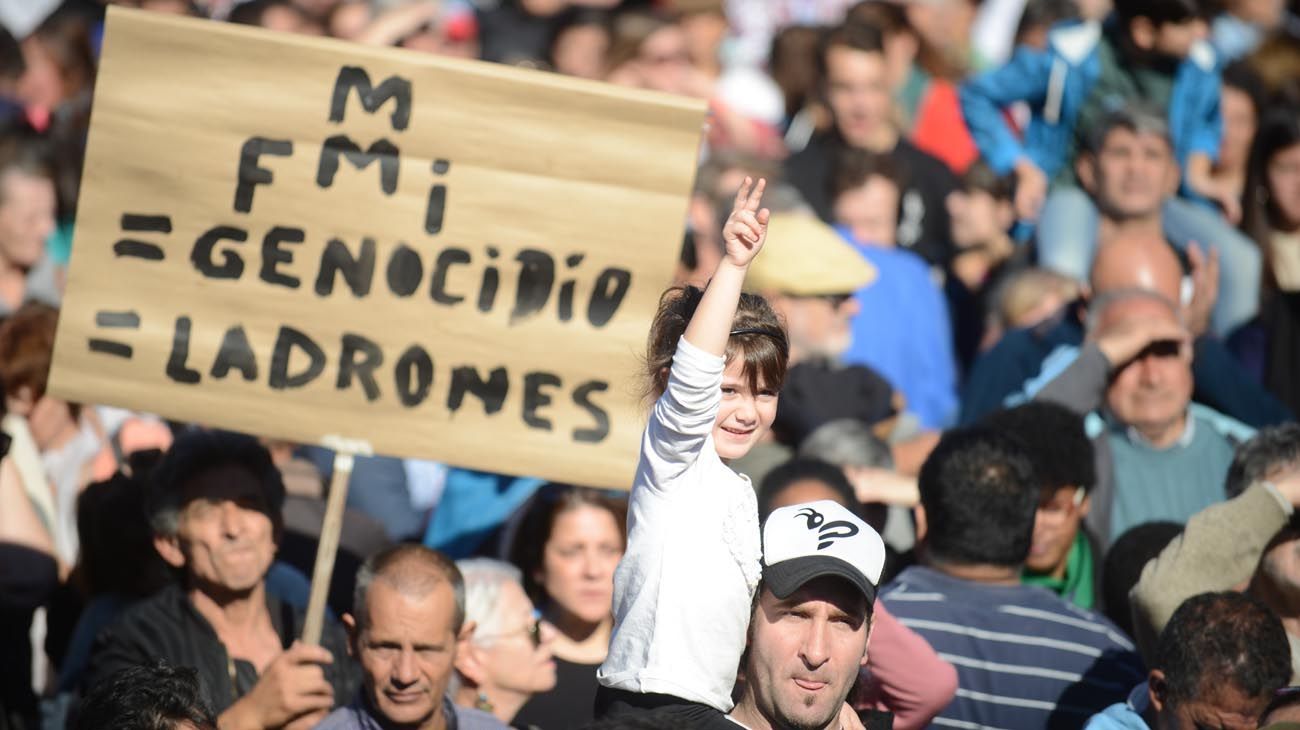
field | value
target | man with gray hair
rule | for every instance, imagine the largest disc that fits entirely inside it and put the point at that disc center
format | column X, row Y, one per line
column 1159, row 456
column 1130, row 171
column 407, row 622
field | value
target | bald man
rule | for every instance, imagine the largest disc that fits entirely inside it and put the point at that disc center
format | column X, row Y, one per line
column 1159, row 457
column 1025, row 360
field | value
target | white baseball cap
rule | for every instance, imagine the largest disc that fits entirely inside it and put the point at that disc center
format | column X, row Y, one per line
column 806, row 541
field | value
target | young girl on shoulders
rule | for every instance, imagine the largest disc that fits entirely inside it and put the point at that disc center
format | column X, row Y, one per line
column 682, row 594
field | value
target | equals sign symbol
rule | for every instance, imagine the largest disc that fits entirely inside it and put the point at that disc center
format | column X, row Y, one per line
column 140, row 223
column 114, row 320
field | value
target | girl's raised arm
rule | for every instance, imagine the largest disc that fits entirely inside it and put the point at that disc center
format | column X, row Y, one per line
column 744, row 234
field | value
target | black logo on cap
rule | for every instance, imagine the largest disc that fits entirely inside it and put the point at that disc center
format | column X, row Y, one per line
column 828, row 532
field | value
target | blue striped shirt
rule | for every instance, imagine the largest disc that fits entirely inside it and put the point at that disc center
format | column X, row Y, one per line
column 1025, row 658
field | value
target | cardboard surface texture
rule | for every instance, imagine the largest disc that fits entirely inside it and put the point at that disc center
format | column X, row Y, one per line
column 303, row 238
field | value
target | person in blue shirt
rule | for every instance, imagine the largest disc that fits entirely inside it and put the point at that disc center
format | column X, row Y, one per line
column 902, row 329
column 1149, row 52
column 1220, row 660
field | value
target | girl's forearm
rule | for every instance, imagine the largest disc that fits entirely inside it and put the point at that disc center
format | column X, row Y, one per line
column 710, row 326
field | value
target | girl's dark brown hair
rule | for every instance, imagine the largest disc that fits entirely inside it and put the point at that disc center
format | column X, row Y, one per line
column 551, row 501
column 763, row 345
column 1278, row 130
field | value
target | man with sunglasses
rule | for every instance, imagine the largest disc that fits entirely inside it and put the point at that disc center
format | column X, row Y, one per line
column 408, row 620
column 812, row 277
column 1159, row 456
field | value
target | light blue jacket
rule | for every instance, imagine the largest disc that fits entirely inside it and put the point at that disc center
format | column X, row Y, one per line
column 1123, row 715
column 1055, row 83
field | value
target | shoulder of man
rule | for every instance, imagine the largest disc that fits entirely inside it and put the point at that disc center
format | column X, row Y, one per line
column 154, row 624
column 1230, row 429
column 921, row 168
column 163, row 626
column 344, row 718
column 468, row 718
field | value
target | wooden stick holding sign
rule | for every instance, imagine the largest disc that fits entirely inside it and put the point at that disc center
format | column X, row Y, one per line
column 345, row 453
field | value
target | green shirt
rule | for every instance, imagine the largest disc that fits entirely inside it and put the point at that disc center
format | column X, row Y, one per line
column 1078, row 586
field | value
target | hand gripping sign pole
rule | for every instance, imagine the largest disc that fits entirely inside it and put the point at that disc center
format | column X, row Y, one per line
column 345, row 453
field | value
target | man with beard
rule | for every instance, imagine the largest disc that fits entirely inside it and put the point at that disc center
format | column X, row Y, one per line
column 812, row 618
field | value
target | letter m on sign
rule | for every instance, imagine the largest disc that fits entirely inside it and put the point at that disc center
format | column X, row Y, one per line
column 372, row 97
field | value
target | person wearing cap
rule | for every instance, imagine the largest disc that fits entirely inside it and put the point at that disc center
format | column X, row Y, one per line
column 1025, row 657
column 811, row 277
column 812, row 618
column 905, row 678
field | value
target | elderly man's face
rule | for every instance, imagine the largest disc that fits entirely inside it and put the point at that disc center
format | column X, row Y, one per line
column 818, row 325
column 1152, row 391
column 805, row 652
column 225, row 536
column 406, row 650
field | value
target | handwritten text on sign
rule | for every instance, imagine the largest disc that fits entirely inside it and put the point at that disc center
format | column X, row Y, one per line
column 302, row 238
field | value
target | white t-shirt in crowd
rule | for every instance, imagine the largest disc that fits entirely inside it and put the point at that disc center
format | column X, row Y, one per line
column 683, row 591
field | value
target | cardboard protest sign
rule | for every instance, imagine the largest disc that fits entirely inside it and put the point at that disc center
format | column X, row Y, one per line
column 307, row 239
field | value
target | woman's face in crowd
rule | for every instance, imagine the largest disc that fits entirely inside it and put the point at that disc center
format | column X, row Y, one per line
column 519, row 659
column 1284, row 185
column 27, row 209
column 665, row 60
column 745, row 416
column 578, row 562
column 1238, row 128
column 580, row 51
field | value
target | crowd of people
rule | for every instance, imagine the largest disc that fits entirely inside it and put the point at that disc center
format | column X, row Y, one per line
column 973, row 404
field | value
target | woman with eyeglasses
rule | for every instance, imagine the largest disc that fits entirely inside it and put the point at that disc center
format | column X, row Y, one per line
column 568, row 545
column 508, row 657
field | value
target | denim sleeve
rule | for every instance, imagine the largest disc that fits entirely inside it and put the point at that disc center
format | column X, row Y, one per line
column 1207, row 119
column 1024, row 78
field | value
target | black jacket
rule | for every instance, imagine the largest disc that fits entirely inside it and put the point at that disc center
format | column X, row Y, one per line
column 167, row 626
column 923, row 219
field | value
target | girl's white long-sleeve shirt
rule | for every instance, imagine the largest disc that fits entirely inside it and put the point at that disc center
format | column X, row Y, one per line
column 683, row 591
